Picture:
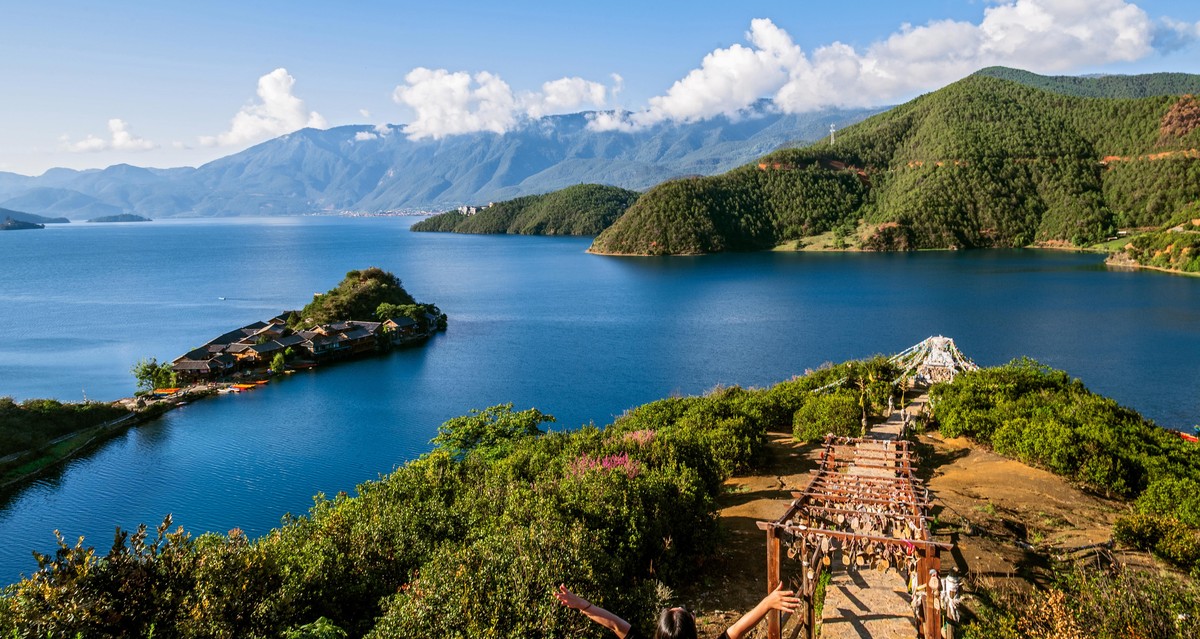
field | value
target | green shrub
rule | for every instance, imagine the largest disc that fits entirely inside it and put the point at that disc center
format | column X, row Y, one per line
column 835, row 412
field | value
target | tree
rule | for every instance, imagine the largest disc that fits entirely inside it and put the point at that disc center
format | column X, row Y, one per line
column 151, row 375
column 490, row 431
column 279, row 362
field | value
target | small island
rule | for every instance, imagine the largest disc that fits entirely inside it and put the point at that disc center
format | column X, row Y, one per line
column 123, row 217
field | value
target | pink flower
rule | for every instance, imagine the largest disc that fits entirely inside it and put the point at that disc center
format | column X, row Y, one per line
column 620, row 462
column 640, row 437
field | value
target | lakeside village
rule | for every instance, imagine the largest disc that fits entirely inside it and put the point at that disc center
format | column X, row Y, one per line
column 262, row 347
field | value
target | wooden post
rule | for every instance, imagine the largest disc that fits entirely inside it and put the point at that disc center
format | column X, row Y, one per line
column 931, row 627
column 774, row 630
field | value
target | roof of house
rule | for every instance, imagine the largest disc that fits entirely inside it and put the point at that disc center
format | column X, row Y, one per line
column 191, row 365
column 370, row 326
column 227, row 338
column 240, row 347
column 357, row 332
column 266, row 347
column 225, row 358
column 291, row 340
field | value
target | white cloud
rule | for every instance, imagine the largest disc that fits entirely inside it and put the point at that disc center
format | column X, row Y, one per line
column 453, row 103
column 564, row 95
column 363, row 136
column 448, row 103
column 120, row 139
column 365, row 113
column 277, row 113
column 1045, row 36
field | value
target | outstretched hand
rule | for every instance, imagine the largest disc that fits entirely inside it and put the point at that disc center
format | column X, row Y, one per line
column 782, row 600
column 570, row 599
column 778, row 599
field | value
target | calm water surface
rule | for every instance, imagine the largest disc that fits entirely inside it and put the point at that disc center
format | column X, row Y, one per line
column 533, row 321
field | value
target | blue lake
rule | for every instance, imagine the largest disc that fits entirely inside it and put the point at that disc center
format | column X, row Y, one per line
column 533, row 321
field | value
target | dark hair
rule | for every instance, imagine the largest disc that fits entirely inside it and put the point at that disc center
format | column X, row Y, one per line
column 676, row 623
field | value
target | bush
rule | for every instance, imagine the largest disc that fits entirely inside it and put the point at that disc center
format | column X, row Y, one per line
column 835, row 412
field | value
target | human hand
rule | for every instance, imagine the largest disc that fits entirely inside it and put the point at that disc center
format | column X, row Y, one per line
column 782, row 600
column 570, row 599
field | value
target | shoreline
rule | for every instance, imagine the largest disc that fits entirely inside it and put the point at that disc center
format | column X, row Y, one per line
column 37, row 461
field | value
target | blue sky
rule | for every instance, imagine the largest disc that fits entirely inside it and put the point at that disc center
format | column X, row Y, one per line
column 87, row 85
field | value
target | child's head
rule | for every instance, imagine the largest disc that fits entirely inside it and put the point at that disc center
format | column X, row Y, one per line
column 676, row 623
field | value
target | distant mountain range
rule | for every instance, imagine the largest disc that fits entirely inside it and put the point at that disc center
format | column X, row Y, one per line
column 359, row 168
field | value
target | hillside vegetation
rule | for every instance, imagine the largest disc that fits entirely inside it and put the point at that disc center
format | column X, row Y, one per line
column 1104, row 86
column 583, row 209
column 471, row 539
column 356, row 297
column 983, row 162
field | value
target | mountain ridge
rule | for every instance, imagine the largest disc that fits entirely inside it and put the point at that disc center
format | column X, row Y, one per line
column 327, row 171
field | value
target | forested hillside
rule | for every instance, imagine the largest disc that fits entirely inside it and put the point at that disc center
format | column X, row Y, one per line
column 583, row 209
column 1103, row 86
column 983, row 162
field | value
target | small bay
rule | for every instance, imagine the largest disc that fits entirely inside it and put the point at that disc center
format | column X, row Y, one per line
column 533, row 321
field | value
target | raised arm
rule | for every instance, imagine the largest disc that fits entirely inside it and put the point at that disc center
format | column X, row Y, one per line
column 593, row 612
column 779, row 599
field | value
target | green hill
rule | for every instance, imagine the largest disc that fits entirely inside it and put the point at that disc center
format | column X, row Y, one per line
column 356, row 297
column 1105, row 86
column 31, row 218
column 583, row 209
column 983, row 162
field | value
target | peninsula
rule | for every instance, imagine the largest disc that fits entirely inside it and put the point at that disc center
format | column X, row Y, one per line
column 583, row 209
column 10, row 224
column 368, row 312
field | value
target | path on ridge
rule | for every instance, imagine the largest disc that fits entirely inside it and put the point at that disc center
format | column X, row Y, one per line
column 864, row 603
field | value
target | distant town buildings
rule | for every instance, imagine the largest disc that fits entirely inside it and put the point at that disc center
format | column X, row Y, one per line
column 472, row 210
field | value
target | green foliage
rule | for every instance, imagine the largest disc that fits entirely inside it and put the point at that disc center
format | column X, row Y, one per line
column 415, row 312
column 279, row 362
column 1086, row 602
column 983, row 162
column 1175, row 496
column 1172, row 250
column 1044, row 418
column 583, row 209
column 34, row 423
column 1107, row 86
column 468, row 540
column 357, row 297
column 489, row 432
column 746, row 209
column 320, row 629
column 835, row 412
column 150, row 374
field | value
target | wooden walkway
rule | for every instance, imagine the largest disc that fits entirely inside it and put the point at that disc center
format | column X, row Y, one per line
column 868, row 603
column 863, row 517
